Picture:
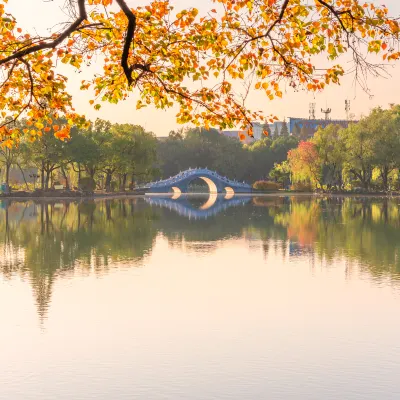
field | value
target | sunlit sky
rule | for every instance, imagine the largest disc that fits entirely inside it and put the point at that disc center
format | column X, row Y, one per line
column 41, row 15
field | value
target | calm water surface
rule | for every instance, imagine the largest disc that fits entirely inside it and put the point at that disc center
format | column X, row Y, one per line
column 195, row 298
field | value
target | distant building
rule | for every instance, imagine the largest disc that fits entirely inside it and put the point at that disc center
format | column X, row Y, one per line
column 312, row 125
column 236, row 135
column 295, row 125
column 258, row 131
column 276, row 127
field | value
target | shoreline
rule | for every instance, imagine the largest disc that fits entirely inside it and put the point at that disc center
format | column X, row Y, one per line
column 102, row 196
column 74, row 196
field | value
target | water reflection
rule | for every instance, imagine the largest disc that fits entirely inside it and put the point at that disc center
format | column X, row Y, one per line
column 46, row 241
column 198, row 206
column 43, row 241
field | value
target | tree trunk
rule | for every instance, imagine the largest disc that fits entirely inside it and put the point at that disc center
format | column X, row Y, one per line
column 23, row 176
column 8, row 173
column 42, row 176
column 385, row 177
column 65, row 177
column 120, row 182
column 132, row 183
column 123, row 182
column 47, row 180
column 108, row 180
column 366, row 178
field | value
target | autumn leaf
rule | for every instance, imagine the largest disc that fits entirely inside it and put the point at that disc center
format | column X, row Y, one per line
column 218, row 51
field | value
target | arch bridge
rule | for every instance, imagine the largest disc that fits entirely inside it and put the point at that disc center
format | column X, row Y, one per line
column 180, row 183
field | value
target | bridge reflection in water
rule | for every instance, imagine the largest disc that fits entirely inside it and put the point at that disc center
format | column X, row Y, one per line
column 212, row 204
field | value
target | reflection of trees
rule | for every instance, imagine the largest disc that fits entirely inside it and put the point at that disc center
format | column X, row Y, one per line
column 244, row 221
column 42, row 241
column 59, row 237
column 366, row 231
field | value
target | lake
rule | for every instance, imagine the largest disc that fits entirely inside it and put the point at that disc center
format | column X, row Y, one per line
column 200, row 298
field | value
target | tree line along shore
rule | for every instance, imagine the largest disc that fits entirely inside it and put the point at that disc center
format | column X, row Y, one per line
column 116, row 158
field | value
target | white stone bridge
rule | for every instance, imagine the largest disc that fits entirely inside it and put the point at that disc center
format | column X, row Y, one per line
column 180, row 183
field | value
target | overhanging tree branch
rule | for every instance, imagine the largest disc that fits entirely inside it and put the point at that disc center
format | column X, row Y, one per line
column 129, row 41
column 54, row 43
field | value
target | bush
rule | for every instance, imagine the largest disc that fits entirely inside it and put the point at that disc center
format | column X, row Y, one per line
column 266, row 185
column 302, row 187
column 87, row 184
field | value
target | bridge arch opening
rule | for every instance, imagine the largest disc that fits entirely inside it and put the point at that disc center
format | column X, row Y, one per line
column 202, row 184
column 229, row 193
column 212, row 187
column 176, row 193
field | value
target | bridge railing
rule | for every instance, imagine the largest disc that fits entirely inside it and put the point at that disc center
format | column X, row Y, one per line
column 194, row 172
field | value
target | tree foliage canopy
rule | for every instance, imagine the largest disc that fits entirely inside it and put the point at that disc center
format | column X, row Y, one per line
column 365, row 154
column 182, row 57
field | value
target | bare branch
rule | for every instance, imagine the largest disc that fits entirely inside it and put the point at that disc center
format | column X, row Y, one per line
column 129, row 40
column 54, row 43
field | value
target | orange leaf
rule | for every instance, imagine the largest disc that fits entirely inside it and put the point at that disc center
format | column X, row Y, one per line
column 62, row 134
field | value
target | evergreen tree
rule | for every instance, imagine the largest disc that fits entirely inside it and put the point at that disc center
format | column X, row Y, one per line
column 285, row 129
column 296, row 130
column 276, row 132
column 304, row 133
column 266, row 129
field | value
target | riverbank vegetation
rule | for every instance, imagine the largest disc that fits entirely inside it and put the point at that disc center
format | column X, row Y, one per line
column 104, row 156
column 117, row 157
column 209, row 148
column 363, row 157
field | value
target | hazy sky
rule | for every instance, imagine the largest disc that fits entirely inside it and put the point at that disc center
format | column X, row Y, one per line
column 41, row 15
